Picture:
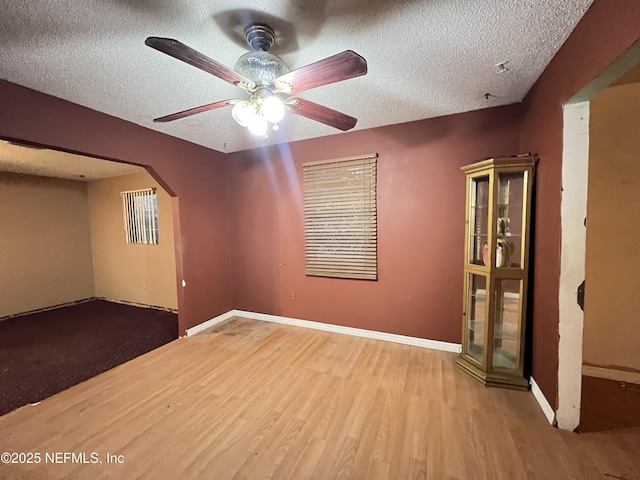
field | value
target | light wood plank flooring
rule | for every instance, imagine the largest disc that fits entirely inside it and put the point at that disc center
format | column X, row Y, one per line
column 256, row 400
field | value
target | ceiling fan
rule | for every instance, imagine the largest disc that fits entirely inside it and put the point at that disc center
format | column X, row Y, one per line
column 270, row 85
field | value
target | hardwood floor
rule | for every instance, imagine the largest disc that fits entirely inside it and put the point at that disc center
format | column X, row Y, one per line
column 609, row 405
column 260, row 400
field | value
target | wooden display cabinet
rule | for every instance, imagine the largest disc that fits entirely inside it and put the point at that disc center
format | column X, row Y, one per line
column 496, row 268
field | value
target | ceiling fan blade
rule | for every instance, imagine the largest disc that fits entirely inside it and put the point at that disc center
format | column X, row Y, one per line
column 323, row 114
column 336, row 68
column 192, row 111
column 188, row 55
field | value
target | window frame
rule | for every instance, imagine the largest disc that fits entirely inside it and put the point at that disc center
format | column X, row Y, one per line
column 140, row 216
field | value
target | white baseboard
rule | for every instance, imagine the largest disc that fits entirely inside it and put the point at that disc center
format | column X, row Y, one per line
column 611, row 374
column 357, row 332
column 542, row 401
column 209, row 323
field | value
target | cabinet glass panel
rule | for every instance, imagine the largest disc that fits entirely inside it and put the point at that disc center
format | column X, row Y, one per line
column 511, row 194
column 476, row 317
column 478, row 220
column 506, row 324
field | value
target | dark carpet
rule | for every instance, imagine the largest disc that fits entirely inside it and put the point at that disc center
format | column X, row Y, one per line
column 609, row 405
column 44, row 353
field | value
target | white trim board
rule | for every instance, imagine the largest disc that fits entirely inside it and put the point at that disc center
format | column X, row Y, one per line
column 611, row 374
column 542, row 401
column 209, row 323
column 357, row 332
column 573, row 210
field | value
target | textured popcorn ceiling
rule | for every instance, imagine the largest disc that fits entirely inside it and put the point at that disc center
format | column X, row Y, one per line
column 426, row 58
column 52, row 163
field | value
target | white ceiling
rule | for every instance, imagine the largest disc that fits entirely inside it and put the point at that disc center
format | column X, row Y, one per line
column 52, row 163
column 426, row 58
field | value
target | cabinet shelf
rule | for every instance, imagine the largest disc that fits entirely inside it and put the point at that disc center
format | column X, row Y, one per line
column 505, row 237
column 500, row 205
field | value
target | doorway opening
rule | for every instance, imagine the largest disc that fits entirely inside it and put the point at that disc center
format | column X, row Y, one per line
column 582, row 256
column 77, row 297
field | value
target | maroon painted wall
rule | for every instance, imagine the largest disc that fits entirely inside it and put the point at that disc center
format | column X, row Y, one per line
column 421, row 195
column 195, row 174
column 608, row 29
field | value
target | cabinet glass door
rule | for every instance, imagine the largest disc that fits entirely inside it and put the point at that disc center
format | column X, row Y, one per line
column 506, row 324
column 476, row 317
column 511, row 194
column 479, row 220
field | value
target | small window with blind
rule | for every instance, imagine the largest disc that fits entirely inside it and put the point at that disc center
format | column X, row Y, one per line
column 340, row 218
column 140, row 209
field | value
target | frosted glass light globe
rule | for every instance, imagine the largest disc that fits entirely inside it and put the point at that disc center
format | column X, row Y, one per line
column 243, row 112
column 258, row 125
column 272, row 109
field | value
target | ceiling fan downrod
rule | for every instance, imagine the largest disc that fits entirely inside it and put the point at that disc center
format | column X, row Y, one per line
column 260, row 36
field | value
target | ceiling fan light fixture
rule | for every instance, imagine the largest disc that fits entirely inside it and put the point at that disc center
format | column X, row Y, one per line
column 258, row 126
column 272, row 109
column 243, row 112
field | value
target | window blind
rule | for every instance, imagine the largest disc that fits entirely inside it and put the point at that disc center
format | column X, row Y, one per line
column 340, row 217
column 140, row 209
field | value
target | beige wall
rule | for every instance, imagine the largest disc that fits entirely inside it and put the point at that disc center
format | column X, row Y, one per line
column 612, row 306
column 144, row 274
column 45, row 247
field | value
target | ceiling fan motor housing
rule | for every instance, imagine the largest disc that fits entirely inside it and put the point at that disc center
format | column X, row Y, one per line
column 259, row 65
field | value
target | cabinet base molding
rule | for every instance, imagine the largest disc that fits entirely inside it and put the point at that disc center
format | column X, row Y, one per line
column 493, row 379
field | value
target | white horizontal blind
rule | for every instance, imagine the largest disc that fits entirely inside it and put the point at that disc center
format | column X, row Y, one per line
column 340, row 218
column 140, row 209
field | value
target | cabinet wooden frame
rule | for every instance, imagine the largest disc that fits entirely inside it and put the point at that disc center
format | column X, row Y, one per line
column 483, row 367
